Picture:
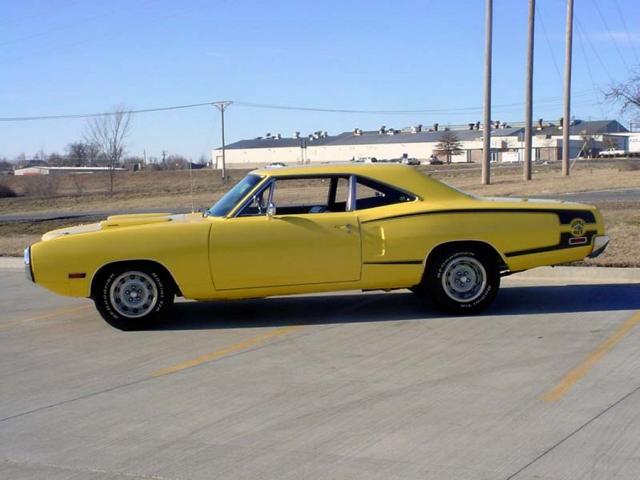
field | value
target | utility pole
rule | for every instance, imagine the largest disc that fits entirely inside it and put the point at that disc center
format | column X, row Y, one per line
column 164, row 157
column 486, row 145
column 528, row 116
column 566, row 117
column 222, row 106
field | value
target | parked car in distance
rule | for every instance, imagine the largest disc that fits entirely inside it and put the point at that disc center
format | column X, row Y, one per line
column 435, row 161
column 276, row 165
column 410, row 161
column 308, row 229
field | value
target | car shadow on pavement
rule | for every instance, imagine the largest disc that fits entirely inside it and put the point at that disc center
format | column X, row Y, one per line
column 380, row 307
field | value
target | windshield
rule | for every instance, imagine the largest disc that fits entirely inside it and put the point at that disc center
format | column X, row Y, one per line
column 230, row 199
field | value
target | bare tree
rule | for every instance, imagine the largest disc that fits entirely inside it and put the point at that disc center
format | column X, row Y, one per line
column 627, row 94
column 56, row 160
column 110, row 132
column 78, row 154
column 449, row 144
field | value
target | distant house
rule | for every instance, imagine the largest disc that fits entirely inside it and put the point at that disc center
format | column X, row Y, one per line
column 414, row 142
column 507, row 144
column 46, row 170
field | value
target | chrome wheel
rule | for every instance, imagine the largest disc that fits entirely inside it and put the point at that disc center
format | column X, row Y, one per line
column 464, row 279
column 133, row 294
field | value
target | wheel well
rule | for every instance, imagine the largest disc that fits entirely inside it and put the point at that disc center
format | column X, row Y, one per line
column 474, row 244
column 104, row 269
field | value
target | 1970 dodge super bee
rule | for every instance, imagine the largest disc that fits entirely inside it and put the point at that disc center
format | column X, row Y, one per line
column 315, row 229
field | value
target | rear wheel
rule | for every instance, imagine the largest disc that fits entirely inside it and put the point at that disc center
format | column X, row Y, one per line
column 463, row 281
column 132, row 297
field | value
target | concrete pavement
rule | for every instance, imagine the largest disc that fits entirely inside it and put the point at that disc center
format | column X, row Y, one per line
column 333, row 386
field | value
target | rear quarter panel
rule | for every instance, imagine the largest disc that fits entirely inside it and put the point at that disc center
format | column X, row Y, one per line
column 407, row 237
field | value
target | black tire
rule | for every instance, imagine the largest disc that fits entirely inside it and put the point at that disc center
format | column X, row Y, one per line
column 111, row 287
column 446, row 274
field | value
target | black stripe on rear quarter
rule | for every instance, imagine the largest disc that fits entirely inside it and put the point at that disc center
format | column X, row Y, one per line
column 561, row 245
column 565, row 216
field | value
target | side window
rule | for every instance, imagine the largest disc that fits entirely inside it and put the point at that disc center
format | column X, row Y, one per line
column 258, row 204
column 299, row 193
column 310, row 195
column 371, row 194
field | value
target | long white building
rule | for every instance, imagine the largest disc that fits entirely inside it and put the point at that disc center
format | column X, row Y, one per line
column 507, row 143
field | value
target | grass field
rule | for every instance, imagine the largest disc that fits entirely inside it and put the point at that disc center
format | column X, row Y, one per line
column 147, row 190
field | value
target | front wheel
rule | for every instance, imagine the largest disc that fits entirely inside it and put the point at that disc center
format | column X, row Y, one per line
column 461, row 281
column 133, row 298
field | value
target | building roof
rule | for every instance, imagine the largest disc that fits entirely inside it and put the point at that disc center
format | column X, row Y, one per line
column 596, row 127
column 369, row 138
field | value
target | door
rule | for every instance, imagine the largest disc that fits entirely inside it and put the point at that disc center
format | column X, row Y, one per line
column 309, row 239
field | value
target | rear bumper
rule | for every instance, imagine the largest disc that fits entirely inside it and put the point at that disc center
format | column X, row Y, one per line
column 27, row 264
column 600, row 244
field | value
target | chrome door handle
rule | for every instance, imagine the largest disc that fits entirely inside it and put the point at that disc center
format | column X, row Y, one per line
column 347, row 227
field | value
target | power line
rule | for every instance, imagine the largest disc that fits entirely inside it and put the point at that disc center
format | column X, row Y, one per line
column 103, row 114
column 613, row 39
column 593, row 82
column 584, row 35
column 548, row 101
column 81, row 21
column 548, row 42
column 626, row 30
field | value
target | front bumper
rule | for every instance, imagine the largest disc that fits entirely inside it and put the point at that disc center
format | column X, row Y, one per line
column 600, row 244
column 27, row 264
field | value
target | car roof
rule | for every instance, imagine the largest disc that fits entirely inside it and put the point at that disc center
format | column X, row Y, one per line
column 405, row 177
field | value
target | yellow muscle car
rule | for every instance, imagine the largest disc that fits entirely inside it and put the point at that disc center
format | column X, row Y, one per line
column 308, row 229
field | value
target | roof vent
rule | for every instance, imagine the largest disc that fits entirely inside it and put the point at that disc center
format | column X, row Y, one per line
column 267, row 135
column 435, row 127
column 382, row 130
column 357, row 132
column 471, row 126
column 540, row 124
column 323, row 134
column 278, row 136
column 296, row 135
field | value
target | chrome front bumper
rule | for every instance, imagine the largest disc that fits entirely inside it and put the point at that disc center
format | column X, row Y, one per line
column 600, row 244
column 27, row 264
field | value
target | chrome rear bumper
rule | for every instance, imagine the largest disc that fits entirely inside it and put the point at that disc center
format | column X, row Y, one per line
column 27, row 264
column 600, row 244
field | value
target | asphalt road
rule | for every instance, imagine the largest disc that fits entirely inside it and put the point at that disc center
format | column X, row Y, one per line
column 350, row 386
column 596, row 196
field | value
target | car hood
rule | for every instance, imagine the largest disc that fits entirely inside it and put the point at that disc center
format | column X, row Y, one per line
column 122, row 221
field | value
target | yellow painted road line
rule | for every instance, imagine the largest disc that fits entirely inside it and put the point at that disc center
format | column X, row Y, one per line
column 45, row 316
column 236, row 347
column 571, row 378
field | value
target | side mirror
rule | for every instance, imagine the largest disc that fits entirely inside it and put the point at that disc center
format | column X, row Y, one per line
column 271, row 210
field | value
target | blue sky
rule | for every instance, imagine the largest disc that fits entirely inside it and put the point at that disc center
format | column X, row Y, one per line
column 67, row 57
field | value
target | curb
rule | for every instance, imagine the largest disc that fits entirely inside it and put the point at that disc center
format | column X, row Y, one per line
column 589, row 275
column 11, row 263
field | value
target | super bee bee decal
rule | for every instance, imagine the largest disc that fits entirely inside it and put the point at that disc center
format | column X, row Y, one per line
column 577, row 227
